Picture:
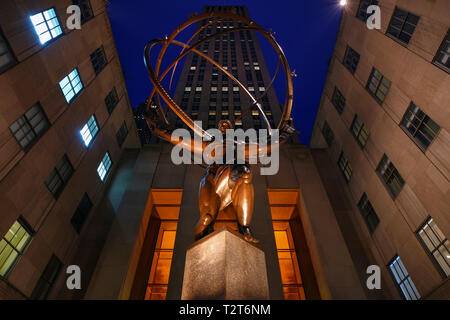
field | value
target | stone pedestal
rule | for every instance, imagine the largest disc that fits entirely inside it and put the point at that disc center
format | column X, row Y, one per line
column 226, row 267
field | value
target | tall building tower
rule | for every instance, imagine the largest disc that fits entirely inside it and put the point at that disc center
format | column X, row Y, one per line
column 65, row 123
column 384, row 121
column 207, row 94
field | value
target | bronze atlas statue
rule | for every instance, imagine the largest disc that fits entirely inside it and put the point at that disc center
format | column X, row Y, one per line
column 227, row 184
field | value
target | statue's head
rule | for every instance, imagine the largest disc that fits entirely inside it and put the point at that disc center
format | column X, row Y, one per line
column 224, row 125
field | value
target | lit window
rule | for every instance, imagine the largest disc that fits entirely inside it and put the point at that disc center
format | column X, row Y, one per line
column 224, row 88
column 187, row 89
column 251, row 89
column 198, row 89
column 89, row 131
column 403, row 280
column 436, row 244
column 214, row 89
column 13, row 244
column 257, row 68
column 104, row 167
column 359, row 131
column 419, row 126
column 390, row 176
column 71, row 85
column 46, row 25
column 402, row 25
column 368, row 213
column 262, row 89
column 235, row 89
column 345, row 167
column 378, row 85
column 193, row 68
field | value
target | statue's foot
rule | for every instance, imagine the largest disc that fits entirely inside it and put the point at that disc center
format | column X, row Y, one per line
column 249, row 238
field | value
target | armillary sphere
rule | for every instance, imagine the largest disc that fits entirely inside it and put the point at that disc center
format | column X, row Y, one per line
column 212, row 18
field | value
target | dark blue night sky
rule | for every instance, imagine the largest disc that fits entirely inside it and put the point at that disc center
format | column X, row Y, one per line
column 306, row 30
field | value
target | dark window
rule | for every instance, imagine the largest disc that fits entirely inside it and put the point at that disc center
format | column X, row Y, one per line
column 111, row 100
column 390, row 176
column 436, row 244
column 122, row 134
column 362, row 9
column 13, row 244
column 359, row 131
column 345, row 167
column 338, row 100
column 402, row 25
column 402, row 279
column 30, row 127
column 351, row 59
column 7, row 58
column 368, row 213
column 327, row 134
column 442, row 58
column 47, row 280
column 378, row 85
column 86, row 10
column 98, row 60
column 81, row 213
column 420, row 127
column 59, row 177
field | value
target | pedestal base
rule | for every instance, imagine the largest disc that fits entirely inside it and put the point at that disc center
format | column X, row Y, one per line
column 226, row 267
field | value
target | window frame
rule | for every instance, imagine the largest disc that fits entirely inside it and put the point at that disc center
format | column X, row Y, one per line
column 83, row 19
column 53, row 39
column 48, row 283
column 337, row 99
column 436, row 248
column 393, row 173
column 398, row 284
column 83, row 215
column 8, row 50
column 24, row 224
column 120, row 140
column 113, row 93
column 104, row 167
column 76, row 94
column 94, row 56
column 367, row 210
column 421, row 121
column 352, row 51
column 401, row 30
column 436, row 61
column 61, row 179
column 347, row 165
column 327, row 133
column 378, row 86
column 27, row 122
column 371, row 2
column 360, row 130
column 90, row 133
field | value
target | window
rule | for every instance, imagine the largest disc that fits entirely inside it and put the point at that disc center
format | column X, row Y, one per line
column 403, row 280
column 13, row 244
column 48, row 278
column 442, row 58
column 86, row 10
column 89, row 131
column 368, row 213
column 436, row 244
column 327, row 134
column 362, row 9
column 7, row 58
column 390, row 176
column 104, row 167
column 30, row 127
column 338, row 100
column 46, row 25
column 111, row 100
column 402, row 25
column 345, row 167
column 378, row 85
column 421, row 128
column 59, row 177
column 71, row 85
column 81, row 213
column 122, row 134
column 98, row 60
column 359, row 131
column 351, row 59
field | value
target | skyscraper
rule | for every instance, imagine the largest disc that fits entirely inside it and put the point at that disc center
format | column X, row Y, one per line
column 384, row 121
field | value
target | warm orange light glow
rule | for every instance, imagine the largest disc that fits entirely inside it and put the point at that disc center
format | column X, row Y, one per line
column 282, row 205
